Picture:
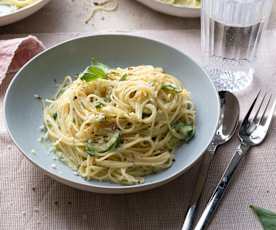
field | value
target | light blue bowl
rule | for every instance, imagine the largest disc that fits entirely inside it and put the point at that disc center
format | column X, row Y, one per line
column 23, row 113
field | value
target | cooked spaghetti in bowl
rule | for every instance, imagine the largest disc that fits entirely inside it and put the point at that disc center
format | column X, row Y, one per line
column 119, row 124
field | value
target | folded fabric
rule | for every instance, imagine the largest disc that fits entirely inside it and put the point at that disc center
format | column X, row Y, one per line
column 14, row 53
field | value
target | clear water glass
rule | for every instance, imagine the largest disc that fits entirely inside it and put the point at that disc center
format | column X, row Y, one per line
column 231, row 31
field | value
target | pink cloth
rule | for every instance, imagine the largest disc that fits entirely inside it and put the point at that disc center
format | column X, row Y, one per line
column 14, row 53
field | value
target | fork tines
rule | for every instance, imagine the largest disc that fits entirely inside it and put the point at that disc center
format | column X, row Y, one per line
column 261, row 111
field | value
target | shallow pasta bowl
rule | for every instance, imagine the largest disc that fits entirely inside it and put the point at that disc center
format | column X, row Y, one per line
column 17, row 15
column 23, row 113
column 183, row 11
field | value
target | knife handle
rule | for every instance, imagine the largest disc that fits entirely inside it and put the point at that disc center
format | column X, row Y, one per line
column 201, row 179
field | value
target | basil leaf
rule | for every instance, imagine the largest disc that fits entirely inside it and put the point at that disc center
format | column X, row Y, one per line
column 171, row 87
column 100, row 65
column 266, row 217
column 92, row 73
column 95, row 71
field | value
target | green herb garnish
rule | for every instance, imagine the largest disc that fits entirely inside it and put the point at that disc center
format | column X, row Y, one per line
column 266, row 217
column 186, row 131
column 171, row 87
column 99, row 105
column 102, row 66
column 95, row 71
column 55, row 116
column 113, row 143
column 124, row 77
column 173, row 142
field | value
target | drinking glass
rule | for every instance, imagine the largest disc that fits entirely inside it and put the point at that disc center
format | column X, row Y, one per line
column 231, row 31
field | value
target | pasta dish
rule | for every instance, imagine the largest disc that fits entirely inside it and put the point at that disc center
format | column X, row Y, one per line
column 191, row 3
column 17, row 3
column 119, row 124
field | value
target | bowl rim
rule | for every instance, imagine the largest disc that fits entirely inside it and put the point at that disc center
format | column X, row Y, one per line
column 178, row 5
column 23, row 9
column 116, row 188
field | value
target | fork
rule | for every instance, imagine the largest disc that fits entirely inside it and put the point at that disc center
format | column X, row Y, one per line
column 252, row 133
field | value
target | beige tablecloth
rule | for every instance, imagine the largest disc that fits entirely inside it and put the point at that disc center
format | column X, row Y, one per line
column 31, row 200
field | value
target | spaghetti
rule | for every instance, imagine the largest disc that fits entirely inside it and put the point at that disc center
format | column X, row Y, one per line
column 119, row 124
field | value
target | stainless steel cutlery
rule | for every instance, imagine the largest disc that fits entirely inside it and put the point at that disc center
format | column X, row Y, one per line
column 252, row 132
column 228, row 122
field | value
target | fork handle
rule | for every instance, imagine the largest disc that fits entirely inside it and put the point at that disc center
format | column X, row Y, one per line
column 219, row 191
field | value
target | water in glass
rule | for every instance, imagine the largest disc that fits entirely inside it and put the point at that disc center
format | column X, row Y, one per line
column 231, row 31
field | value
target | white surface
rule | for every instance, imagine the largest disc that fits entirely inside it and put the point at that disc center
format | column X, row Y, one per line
column 179, row 11
column 22, row 13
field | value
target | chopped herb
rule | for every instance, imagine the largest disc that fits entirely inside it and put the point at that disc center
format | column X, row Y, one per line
column 99, row 105
column 95, row 71
column 55, row 116
column 112, row 144
column 266, row 217
column 173, row 142
column 171, row 87
column 186, row 131
column 124, row 77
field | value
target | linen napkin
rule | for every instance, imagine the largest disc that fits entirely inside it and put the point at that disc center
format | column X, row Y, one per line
column 14, row 53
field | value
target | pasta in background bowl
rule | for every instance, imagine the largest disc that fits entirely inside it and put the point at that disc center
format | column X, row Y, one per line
column 179, row 8
column 24, row 117
column 185, row 3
